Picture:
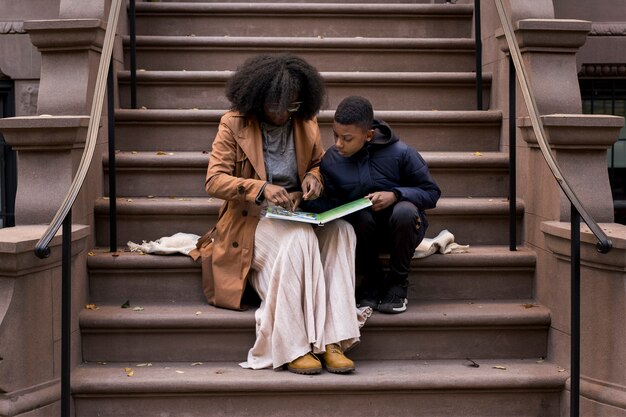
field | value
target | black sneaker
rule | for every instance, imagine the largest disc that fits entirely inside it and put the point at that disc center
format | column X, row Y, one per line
column 395, row 301
column 368, row 299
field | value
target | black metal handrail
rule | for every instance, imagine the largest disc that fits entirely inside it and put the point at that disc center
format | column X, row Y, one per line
column 517, row 71
column 64, row 215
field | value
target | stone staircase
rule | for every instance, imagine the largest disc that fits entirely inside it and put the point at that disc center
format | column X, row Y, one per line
column 171, row 354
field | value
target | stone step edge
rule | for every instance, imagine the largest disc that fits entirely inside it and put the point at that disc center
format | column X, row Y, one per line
column 170, row 378
column 331, row 77
column 442, row 314
column 181, row 205
column 198, row 160
column 435, row 117
column 476, row 257
column 271, row 8
column 232, row 42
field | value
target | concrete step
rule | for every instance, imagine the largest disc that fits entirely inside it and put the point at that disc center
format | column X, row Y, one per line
column 222, row 53
column 427, row 330
column 412, row 388
column 474, row 221
column 386, row 90
column 300, row 19
column 482, row 272
column 162, row 174
column 194, row 130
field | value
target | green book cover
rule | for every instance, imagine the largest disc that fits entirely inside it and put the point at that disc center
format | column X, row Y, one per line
column 275, row 212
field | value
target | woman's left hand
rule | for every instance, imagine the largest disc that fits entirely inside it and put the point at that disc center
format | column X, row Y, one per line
column 311, row 188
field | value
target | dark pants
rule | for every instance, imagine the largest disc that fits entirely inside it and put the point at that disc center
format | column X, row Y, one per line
column 397, row 230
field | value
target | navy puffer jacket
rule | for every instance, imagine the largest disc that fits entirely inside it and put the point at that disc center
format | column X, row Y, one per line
column 383, row 164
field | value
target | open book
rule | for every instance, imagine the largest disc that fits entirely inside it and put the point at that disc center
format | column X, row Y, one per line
column 320, row 219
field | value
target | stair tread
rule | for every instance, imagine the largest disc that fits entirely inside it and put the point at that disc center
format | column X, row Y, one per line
column 389, row 375
column 355, row 43
column 210, row 205
column 344, row 77
column 194, row 160
column 401, row 9
column 491, row 256
column 440, row 116
column 200, row 315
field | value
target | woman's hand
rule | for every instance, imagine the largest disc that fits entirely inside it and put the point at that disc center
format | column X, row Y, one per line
column 382, row 199
column 278, row 196
column 311, row 188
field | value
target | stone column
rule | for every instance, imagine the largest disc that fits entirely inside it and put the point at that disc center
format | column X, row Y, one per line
column 603, row 317
column 30, row 323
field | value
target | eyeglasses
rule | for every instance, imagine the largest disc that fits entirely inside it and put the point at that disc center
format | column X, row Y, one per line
column 291, row 108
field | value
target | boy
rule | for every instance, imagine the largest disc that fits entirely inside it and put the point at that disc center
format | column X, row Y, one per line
column 369, row 160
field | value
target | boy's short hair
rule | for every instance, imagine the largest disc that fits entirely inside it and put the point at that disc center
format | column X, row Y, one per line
column 355, row 110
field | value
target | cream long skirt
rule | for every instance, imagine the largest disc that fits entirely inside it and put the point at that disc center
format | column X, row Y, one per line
column 304, row 276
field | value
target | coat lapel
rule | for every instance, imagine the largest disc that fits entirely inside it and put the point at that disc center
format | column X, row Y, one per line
column 250, row 141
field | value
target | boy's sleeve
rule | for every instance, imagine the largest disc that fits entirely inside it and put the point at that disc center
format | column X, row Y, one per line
column 419, row 187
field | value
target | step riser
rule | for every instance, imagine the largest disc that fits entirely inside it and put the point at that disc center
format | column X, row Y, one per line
column 388, row 96
column 386, row 343
column 477, row 229
column 217, row 24
column 216, row 59
column 400, row 403
column 177, row 181
column 184, row 286
column 188, row 136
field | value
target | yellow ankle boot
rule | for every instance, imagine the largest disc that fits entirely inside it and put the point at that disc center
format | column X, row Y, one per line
column 306, row 365
column 336, row 361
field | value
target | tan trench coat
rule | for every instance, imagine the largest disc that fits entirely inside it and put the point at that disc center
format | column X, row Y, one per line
column 236, row 174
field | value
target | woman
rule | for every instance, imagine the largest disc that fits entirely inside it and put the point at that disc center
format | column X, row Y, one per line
column 267, row 151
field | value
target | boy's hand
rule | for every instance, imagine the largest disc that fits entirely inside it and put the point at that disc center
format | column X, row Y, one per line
column 296, row 199
column 382, row 199
column 311, row 188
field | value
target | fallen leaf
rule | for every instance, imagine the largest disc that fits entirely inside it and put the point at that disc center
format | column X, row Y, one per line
column 91, row 307
column 138, row 309
column 144, row 364
column 161, row 153
column 130, row 200
column 561, row 369
column 129, row 371
column 198, row 313
column 144, row 108
column 502, row 368
column 219, row 371
column 91, row 253
column 101, row 363
column 478, row 154
column 150, row 196
column 126, row 304
column 134, row 152
column 115, row 254
column 196, row 363
column 180, row 372
column 529, row 305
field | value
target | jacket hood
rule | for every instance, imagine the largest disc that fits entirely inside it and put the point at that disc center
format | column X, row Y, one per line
column 383, row 134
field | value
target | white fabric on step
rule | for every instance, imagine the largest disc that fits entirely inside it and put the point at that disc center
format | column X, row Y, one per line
column 305, row 278
column 442, row 243
column 177, row 243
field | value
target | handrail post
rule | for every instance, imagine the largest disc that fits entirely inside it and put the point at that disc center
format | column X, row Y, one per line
column 512, row 158
column 133, row 55
column 575, row 319
column 479, row 56
column 112, row 164
column 66, row 314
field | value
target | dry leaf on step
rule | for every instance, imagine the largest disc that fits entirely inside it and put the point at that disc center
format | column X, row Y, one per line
column 500, row 367
column 129, row 371
column 126, row 304
column 138, row 309
column 91, row 307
